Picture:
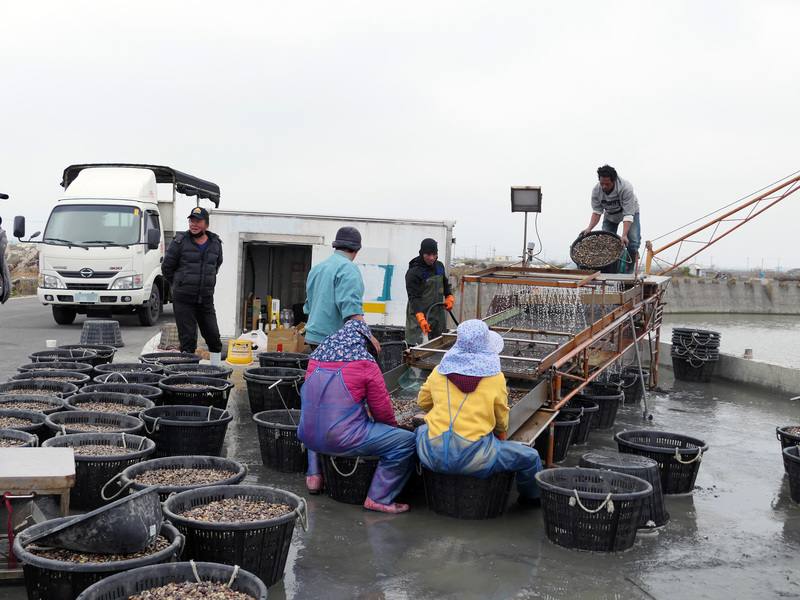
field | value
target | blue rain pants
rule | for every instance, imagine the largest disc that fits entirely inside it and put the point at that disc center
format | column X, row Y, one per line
column 331, row 422
column 453, row 454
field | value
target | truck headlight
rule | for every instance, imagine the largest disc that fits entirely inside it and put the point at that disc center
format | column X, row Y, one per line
column 52, row 282
column 131, row 282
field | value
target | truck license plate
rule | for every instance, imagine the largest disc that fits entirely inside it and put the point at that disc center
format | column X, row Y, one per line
column 85, row 297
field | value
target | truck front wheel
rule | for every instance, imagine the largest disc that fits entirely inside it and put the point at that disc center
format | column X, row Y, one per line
column 64, row 315
column 149, row 315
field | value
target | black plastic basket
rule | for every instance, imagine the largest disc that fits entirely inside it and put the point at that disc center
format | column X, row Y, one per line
column 21, row 439
column 587, row 411
column 47, row 579
column 59, row 354
column 272, row 388
column 73, row 377
column 261, row 547
column 388, row 333
column 37, row 387
column 126, row 479
column 654, row 512
column 169, row 358
column 277, row 437
column 787, row 437
column 46, row 404
column 57, row 365
column 92, row 472
column 283, row 360
column 130, row 404
column 67, row 421
column 791, row 461
column 574, row 247
column 347, row 478
column 698, row 371
column 210, row 391
column 678, row 456
column 466, row 497
column 590, row 509
column 391, row 355
column 186, row 430
column 565, row 425
column 214, row 371
column 124, row 585
column 608, row 405
column 150, row 392
column 36, row 420
column 105, row 354
column 127, row 367
column 141, row 377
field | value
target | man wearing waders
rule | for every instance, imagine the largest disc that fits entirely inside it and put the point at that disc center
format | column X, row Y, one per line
column 614, row 200
column 427, row 286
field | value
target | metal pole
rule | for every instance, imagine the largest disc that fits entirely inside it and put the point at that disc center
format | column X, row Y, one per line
column 525, row 243
column 639, row 364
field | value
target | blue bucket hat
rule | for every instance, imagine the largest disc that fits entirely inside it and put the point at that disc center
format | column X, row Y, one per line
column 475, row 353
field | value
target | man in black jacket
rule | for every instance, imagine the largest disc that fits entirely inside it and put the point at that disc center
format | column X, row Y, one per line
column 191, row 265
column 427, row 286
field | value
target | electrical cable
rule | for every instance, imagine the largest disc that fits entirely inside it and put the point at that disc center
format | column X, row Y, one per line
column 726, row 206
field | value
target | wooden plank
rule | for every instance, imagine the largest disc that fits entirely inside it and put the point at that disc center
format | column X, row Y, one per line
column 36, row 469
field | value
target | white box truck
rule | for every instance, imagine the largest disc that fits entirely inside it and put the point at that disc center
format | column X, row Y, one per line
column 105, row 239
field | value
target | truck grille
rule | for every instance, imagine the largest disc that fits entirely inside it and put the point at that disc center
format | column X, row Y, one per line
column 87, row 286
column 95, row 274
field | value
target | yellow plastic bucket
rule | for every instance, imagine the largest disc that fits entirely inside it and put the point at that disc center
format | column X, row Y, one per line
column 240, row 352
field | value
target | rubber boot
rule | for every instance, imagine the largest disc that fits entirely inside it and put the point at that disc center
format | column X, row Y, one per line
column 214, row 357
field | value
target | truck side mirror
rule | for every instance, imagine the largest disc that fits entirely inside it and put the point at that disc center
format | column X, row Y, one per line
column 153, row 239
column 19, row 227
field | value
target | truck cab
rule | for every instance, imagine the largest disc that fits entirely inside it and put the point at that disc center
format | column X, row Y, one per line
column 104, row 242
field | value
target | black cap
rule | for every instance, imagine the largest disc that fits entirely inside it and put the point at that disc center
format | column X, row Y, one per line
column 429, row 246
column 199, row 213
column 348, row 238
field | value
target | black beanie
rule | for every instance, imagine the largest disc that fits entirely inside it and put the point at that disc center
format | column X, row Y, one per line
column 428, row 246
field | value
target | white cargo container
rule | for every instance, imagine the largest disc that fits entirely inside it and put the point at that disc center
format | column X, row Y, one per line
column 270, row 254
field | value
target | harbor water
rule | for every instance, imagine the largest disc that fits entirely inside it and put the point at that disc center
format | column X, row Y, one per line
column 773, row 338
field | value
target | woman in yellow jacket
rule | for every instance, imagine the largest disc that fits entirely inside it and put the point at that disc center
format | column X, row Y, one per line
column 466, row 401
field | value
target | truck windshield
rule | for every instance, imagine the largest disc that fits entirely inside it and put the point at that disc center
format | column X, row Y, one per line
column 94, row 225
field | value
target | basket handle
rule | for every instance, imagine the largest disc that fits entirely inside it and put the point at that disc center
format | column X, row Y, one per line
column 302, row 514
column 155, row 426
column 697, row 457
column 121, row 489
column 608, row 503
column 351, row 473
column 274, row 384
column 124, row 441
column 233, row 576
column 286, row 406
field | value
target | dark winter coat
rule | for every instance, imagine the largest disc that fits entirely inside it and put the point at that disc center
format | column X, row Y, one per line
column 191, row 270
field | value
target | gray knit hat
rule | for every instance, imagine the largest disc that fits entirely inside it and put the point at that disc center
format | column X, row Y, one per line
column 348, row 238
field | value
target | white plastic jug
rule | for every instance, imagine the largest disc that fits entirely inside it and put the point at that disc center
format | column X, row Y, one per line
column 257, row 338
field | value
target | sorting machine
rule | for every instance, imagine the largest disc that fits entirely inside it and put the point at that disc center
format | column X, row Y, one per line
column 552, row 359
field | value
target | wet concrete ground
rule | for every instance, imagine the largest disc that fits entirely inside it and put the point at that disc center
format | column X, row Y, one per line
column 736, row 536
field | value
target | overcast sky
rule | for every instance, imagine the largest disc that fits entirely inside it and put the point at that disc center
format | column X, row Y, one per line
column 418, row 109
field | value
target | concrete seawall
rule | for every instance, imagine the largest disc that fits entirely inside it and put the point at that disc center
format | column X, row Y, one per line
column 750, row 296
column 775, row 378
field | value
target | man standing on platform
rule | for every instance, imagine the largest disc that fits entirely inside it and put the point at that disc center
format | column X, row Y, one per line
column 614, row 200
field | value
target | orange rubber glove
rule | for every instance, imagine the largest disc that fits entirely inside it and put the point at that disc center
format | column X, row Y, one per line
column 423, row 323
column 501, row 435
column 449, row 302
